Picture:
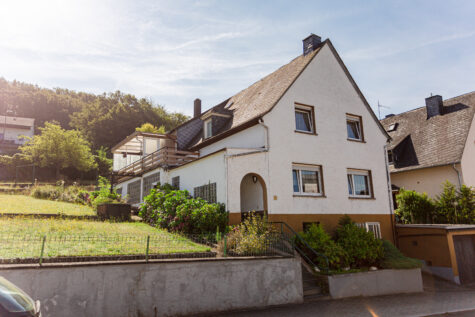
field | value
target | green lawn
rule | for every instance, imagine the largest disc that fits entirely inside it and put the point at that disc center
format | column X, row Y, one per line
column 28, row 205
column 22, row 238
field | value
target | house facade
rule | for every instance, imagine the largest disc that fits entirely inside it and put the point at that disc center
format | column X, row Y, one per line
column 433, row 144
column 301, row 145
column 11, row 131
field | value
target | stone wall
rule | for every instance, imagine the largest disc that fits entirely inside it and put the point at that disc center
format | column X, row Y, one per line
column 164, row 288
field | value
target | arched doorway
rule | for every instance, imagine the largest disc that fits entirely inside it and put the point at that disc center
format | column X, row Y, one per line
column 253, row 194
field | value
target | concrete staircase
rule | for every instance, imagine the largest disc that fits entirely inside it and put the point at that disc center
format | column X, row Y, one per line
column 311, row 284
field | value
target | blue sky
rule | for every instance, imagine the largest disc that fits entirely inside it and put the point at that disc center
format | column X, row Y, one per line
column 399, row 52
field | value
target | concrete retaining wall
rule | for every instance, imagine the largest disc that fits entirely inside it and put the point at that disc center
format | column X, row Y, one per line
column 161, row 288
column 373, row 283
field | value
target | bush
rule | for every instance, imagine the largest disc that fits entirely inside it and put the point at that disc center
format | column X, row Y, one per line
column 176, row 210
column 451, row 206
column 321, row 242
column 253, row 236
column 104, row 195
column 362, row 247
column 414, row 207
column 71, row 194
column 466, row 205
column 394, row 259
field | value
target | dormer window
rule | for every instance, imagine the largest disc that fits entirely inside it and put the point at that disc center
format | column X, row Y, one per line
column 392, row 127
column 390, row 157
column 208, row 128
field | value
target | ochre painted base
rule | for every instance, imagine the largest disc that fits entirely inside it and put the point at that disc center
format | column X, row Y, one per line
column 328, row 221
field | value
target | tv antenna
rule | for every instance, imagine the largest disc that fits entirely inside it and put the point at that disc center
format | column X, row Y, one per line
column 379, row 109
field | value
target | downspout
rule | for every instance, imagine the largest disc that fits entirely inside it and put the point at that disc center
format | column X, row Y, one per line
column 459, row 177
column 261, row 122
column 390, row 193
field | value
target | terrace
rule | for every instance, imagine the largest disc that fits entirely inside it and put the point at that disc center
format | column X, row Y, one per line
column 141, row 152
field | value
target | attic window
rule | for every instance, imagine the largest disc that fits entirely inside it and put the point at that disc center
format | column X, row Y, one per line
column 304, row 119
column 208, row 128
column 393, row 127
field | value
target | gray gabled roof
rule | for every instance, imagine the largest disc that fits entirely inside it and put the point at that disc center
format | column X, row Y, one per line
column 255, row 101
column 419, row 142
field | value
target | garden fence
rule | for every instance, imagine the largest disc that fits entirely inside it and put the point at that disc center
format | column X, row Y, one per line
column 53, row 248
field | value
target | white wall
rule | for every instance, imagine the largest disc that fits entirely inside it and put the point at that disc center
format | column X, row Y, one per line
column 13, row 134
column 468, row 157
column 325, row 86
column 252, row 195
column 201, row 172
column 119, row 161
column 253, row 137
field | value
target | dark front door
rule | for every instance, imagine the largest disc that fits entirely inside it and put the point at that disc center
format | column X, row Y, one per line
column 465, row 252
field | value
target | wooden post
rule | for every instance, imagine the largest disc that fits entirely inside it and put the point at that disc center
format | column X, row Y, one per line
column 112, row 183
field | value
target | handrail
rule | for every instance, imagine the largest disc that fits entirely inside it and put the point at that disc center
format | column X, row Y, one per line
column 164, row 155
column 305, row 243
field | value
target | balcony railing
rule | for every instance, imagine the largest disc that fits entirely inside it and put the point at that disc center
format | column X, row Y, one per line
column 165, row 156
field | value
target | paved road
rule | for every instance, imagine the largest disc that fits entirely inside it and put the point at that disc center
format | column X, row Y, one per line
column 438, row 298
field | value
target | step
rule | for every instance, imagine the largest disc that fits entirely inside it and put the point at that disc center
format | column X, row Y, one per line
column 312, row 291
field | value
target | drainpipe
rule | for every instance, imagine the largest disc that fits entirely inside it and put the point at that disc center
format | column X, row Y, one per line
column 390, row 193
column 459, row 177
column 261, row 122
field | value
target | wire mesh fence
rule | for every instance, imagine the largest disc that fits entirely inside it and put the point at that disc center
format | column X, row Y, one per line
column 78, row 248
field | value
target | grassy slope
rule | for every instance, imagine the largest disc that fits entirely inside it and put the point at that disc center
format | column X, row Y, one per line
column 21, row 238
column 26, row 204
column 394, row 259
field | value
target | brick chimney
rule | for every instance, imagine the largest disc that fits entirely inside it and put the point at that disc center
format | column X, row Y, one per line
column 434, row 106
column 310, row 43
column 197, row 108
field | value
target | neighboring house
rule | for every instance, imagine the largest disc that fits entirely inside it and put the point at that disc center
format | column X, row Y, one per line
column 11, row 131
column 302, row 145
column 433, row 144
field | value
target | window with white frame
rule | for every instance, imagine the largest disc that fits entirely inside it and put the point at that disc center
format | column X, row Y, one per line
column 354, row 128
column 304, row 119
column 208, row 128
column 359, row 183
column 373, row 227
column 307, row 180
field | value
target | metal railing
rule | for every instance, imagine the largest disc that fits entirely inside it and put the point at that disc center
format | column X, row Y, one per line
column 81, row 248
column 57, row 247
column 164, row 156
column 297, row 241
column 270, row 244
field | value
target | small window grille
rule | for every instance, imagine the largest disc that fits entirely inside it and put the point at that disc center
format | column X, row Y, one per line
column 176, row 182
column 149, row 182
column 133, row 191
column 373, row 227
column 207, row 192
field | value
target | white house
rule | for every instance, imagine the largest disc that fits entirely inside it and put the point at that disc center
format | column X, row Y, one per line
column 301, row 144
column 11, row 131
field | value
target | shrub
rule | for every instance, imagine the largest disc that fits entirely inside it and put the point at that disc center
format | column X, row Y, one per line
column 414, row 207
column 253, row 236
column 104, row 195
column 362, row 247
column 445, row 204
column 71, row 194
column 394, row 259
column 466, row 204
column 321, row 242
column 176, row 210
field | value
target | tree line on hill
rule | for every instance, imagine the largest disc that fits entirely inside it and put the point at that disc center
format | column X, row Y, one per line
column 74, row 131
column 103, row 119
